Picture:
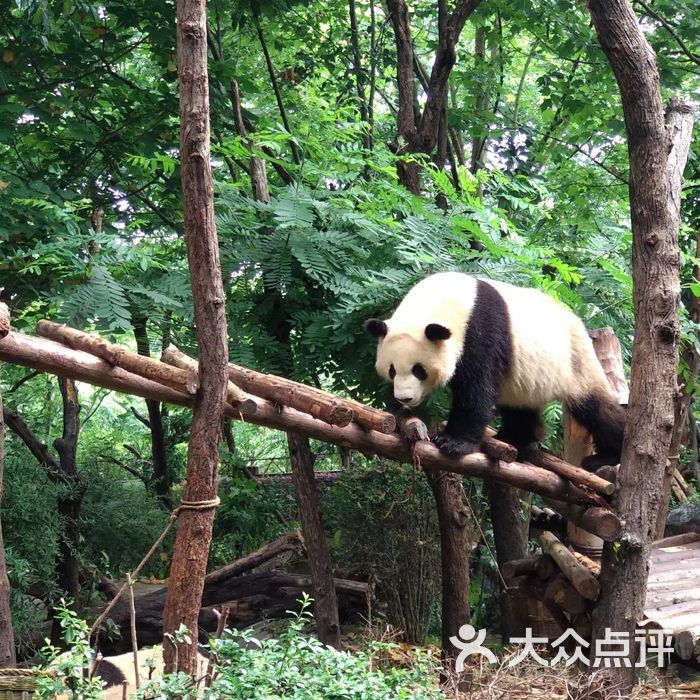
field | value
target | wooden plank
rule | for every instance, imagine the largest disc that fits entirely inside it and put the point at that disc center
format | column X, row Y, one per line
column 674, row 540
column 676, row 624
column 680, row 564
column 676, row 579
column 675, row 552
column 674, row 609
column 673, row 595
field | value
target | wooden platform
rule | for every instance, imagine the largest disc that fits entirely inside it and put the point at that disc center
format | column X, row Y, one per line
column 673, row 592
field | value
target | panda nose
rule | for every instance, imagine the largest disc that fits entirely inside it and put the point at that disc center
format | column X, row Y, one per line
column 404, row 399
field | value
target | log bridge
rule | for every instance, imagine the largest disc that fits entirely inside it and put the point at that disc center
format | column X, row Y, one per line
column 276, row 402
column 563, row 581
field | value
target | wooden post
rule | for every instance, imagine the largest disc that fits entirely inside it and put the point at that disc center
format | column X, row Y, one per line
column 578, row 443
column 7, row 639
column 194, row 533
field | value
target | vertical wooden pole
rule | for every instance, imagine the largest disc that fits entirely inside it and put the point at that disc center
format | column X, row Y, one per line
column 7, row 639
column 194, row 533
column 578, row 443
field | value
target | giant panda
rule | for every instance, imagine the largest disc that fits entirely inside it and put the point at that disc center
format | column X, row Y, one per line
column 496, row 345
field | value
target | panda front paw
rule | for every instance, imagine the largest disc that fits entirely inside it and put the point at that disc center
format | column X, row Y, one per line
column 454, row 447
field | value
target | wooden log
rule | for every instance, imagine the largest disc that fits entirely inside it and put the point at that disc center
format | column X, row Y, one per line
column 4, row 320
column 546, row 568
column 609, row 353
column 519, row 567
column 246, row 404
column 590, row 564
column 319, row 404
column 678, row 476
column 677, row 491
column 687, row 643
column 581, row 578
column 291, row 542
column 561, row 593
column 599, row 521
column 676, row 540
column 257, row 595
column 578, row 446
column 48, row 356
column 576, row 475
column 119, row 356
column 414, row 429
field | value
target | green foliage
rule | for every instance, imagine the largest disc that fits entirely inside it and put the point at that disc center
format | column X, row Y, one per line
column 72, row 669
column 383, row 524
column 298, row 667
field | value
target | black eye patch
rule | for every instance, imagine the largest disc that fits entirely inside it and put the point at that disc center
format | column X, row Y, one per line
column 392, row 372
column 419, row 372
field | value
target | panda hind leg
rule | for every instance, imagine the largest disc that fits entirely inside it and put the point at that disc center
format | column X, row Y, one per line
column 605, row 419
column 521, row 427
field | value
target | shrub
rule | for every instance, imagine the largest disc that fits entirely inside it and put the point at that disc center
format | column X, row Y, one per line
column 384, row 525
column 296, row 667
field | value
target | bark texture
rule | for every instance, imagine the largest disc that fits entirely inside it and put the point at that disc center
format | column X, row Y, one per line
column 510, row 530
column 418, row 130
column 193, row 538
column 159, row 457
column 454, row 554
column 655, row 261
column 679, row 121
column 311, row 516
column 7, row 638
column 69, row 502
column 49, row 356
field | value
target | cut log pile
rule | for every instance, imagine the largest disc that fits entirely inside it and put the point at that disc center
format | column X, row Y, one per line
column 565, row 582
column 280, row 403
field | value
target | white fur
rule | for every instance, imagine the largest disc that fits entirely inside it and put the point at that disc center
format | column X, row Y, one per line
column 548, row 341
column 150, row 668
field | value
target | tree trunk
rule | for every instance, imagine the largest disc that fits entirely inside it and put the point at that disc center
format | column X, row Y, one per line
column 194, row 533
column 68, row 504
column 682, row 405
column 159, row 459
column 454, row 553
column 7, row 639
column 419, row 129
column 325, row 600
column 510, row 529
column 655, row 264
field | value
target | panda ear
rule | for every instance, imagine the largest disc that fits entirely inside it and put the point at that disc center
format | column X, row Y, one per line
column 376, row 327
column 435, row 332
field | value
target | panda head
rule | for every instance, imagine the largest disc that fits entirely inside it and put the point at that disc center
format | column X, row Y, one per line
column 414, row 360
